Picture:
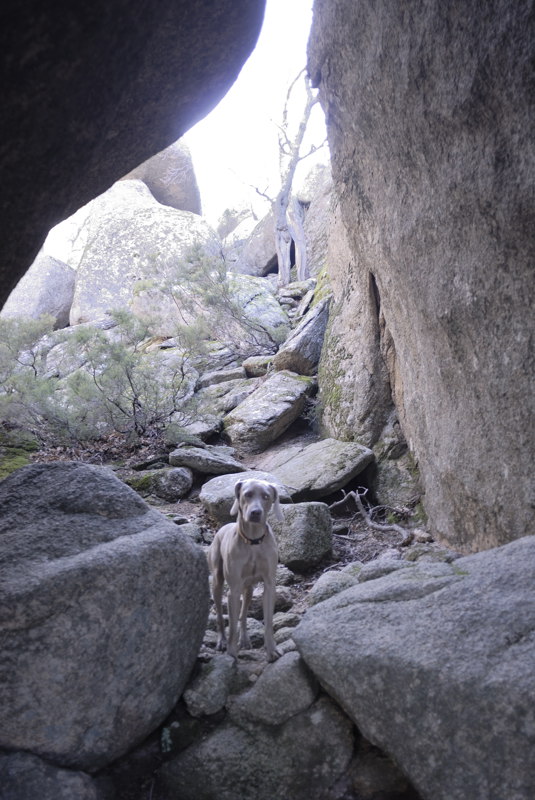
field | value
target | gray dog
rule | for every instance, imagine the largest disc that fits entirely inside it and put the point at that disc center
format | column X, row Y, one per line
column 243, row 553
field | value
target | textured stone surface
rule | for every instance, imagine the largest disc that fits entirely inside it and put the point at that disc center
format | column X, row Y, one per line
column 47, row 288
column 304, row 536
column 221, row 376
column 220, row 398
column 268, row 411
column 354, row 389
column 170, row 176
column 302, row 349
column 285, row 688
column 172, row 484
column 256, row 301
column 329, row 584
column 430, row 124
column 257, row 366
column 318, row 469
column 208, row 692
column 103, row 609
column 26, row 777
column 116, row 84
column 301, row 758
column 316, row 193
column 258, row 255
column 134, row 238
column 434, row 663
column 208, row 460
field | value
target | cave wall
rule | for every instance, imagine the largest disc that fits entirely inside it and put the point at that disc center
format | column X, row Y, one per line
column 429, row 109
column 92, row 90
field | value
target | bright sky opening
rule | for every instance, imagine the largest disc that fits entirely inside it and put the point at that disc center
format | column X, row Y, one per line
column 235, row 147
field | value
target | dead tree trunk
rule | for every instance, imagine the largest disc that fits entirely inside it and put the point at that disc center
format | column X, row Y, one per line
column 296, row 216
column 289, row 158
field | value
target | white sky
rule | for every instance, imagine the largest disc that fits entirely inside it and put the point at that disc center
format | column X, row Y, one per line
column 236, row 144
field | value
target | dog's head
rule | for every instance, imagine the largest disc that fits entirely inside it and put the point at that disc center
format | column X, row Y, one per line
column 254, row 500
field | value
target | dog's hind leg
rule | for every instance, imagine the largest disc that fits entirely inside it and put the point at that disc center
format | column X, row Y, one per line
column 233, row 602
column 245, row 642
column 268, row 603
column 218, row 583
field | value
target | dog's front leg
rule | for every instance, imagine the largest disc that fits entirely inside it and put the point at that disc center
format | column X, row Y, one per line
column 233, row 601
column 217, row 594
column 269, row 604
column 245, row 642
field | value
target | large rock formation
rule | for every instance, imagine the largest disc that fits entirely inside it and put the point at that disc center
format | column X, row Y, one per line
column 430, row 127
column 434, row 663
column 47, row 288
column 171, row 178
column 131, row 240
column 116, row 83
column 103, row 609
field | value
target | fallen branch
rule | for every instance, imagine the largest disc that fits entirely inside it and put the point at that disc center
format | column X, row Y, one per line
column 378, row 526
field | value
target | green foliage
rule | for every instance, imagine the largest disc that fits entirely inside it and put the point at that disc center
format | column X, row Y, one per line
column 117, row 386
column 211, row 308
column 84, row 382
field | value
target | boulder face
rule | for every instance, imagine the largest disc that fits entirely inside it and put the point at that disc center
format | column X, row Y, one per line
column 258, row 256
column 315, row 196
column 434, row 664
column 171, row 178
column 268, row 411
column 93, row 654
column 430, row 130
column 112, row 99
column 25, row 777
column 319, row 469
column 273, row 759
column 47, row 288
column 132, row 238
column 301, row 351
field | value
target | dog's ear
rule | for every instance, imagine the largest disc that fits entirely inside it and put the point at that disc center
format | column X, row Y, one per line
column 276, row 503
column 236, row 504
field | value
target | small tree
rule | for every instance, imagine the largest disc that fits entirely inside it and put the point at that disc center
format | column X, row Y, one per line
column 118, row 385
column 209, row 307
column 289, row 157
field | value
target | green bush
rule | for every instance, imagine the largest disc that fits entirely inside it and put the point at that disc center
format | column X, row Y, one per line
column 210, row 305
column 119, row 384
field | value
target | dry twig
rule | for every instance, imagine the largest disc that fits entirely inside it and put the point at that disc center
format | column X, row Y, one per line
column 378, row 526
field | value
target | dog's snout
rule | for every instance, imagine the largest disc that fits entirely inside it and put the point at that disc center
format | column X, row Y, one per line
column 255, row 514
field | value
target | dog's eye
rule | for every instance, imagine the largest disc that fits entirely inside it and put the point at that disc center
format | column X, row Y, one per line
column 265, row 496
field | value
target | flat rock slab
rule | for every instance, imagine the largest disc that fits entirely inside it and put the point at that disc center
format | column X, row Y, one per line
column 217, row 495
column 263, row 416
column 103, row 607
column 221, row 376
column 435, row 665
column 319, row 469
column 206, row 460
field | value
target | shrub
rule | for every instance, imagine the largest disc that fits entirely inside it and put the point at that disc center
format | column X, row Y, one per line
column 209, row 307
column 120, row 386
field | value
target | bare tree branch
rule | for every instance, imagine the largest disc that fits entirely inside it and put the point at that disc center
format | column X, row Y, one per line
column 357, row 497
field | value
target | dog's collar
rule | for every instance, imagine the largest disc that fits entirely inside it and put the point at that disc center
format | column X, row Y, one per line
column 251, row 541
